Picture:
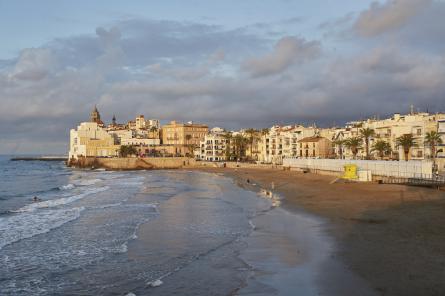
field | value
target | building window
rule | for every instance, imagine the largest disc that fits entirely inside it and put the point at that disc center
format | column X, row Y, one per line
column 419, row 131
column 419, row 153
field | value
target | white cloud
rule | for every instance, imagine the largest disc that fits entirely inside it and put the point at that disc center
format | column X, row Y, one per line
column 287, row 51
column 380, row 18
column 34, row 64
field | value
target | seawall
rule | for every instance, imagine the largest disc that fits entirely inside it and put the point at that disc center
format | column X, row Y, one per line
column 133, row 163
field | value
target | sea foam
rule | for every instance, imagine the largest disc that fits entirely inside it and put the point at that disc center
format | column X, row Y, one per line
column 67, row 187
column 60, row 201
column 29, row 224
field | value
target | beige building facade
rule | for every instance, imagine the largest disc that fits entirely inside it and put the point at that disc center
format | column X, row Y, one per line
column 282, row 142
column 416, row 124
column 314, row 147
column 183, row 134
column 91, row 140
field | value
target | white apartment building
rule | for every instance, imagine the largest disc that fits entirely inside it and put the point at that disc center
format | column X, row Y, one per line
column 91, row 140
column 213, row 146
column 141, row 123
column 121, row 134
column 282, row 141
column 153, row 123
column 417, row 124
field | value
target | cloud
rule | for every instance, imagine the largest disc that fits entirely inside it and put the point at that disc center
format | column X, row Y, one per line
column 287, row 51
column 189, row 71
column 393, row 14
column 34, row 64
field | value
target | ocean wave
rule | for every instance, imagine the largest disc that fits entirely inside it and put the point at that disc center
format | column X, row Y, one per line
column 87, row 182
column 60, row 201
column 27, row 225
column 67, row 187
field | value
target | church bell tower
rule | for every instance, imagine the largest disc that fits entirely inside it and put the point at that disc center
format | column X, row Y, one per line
column 95, row 116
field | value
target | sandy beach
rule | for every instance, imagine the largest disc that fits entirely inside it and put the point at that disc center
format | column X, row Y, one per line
column 391, row 236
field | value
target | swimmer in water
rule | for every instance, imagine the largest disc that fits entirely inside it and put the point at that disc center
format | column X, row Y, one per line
column 35, row 199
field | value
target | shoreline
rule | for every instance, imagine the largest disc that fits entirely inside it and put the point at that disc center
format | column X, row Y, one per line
column 392, row 236
column 291, row 252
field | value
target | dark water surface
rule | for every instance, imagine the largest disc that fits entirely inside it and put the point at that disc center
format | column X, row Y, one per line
column 111, row 233
column 184, row 232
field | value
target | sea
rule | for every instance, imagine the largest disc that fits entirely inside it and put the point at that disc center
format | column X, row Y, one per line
column 97, row 232
column 158, row 232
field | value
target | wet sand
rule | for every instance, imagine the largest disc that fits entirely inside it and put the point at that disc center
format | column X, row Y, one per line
column 391, row 236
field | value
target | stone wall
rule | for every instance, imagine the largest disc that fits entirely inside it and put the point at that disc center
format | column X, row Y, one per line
column 232, row 164
column 133, row 163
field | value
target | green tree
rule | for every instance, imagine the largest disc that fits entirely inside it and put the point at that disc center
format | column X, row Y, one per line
column 433, row 139
column 382, row 147
column 406, row 142
column 127, row 150
column 228, row 138
column 353, row 144
column 240, row 144
column 264, row 131
column 252, row 136
column 339, row 143
column 366, row 134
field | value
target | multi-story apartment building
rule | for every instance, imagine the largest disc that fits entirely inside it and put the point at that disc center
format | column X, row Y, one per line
column 283, row 142
column 417, row 124
column 214, row 146
column 140, row 123
column 315, row 147
column 183, row 134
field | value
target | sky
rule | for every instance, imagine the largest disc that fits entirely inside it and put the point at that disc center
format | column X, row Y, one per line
column 232, row 64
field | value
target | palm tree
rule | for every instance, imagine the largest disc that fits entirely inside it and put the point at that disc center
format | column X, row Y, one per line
column 252, row 135
column 382, row 147
column 264, row 131
column 339, row 143
column 366, row 134
column 406, row 142
column 240, row 146
column 228, row 137
column 433, row 139
column 353, row 144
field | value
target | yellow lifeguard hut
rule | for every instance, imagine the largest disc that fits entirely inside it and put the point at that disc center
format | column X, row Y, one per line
column 350, row 172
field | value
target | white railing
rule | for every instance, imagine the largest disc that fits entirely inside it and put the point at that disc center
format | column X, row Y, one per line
column 402, row 169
